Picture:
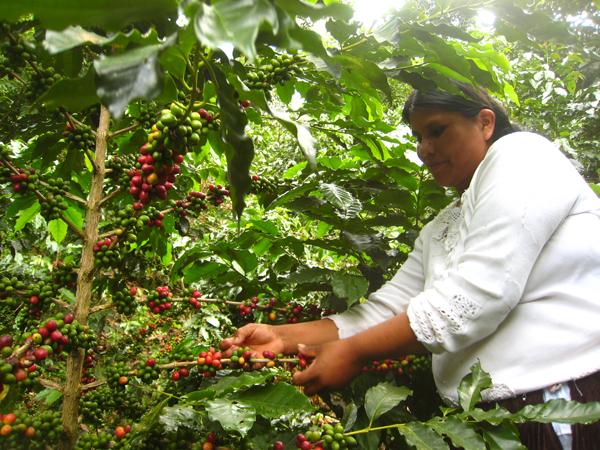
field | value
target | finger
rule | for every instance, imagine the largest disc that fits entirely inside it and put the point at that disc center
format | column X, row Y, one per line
column 226, row 343
column 242, row 333
column 308, row 351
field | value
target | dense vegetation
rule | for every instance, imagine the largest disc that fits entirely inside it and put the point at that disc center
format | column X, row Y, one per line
column 172, row 170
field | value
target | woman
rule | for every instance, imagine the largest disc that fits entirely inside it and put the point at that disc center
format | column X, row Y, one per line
column 509, row 274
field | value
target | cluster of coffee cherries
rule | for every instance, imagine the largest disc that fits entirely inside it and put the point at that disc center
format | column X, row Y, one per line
column 13, row 371
column 195, row 201
column 262, row 185
column 148, row 180
column 117, row 374
column 64, row 275
column 124, row 300
column 80, row 136
column 216, row 194
column 155, row 217
column 207, row 443
column 248, row 307
column 241, row 358
column 325, row 437
column 159, row 300
column 148, row 371
column 64, row 333
column 107, row 252
column 21, row 181
column 26, row 430
column 407, row 365
column 42, row 79
column 209, row 362
column 194, row 295
column 180, row 373
column 89, row 441
column 88, row 365
column 278, row 69
column 118, row 167
column 53, row 204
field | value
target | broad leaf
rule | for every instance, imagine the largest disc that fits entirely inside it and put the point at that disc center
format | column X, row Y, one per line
column 462, row 434
column 234, row 22
column 26, row 216
column 239, row 148
column 348, row 205
column 302, row 134
column 232, row 415
column 58, row 230
column 381, row 398
column 48, row 396
column 110, row 14
column 502, row 437
column 242, row 382
column 275, row 400
column 349, row 287
column 469, row 390
column 130, row 75
column 174, row 417
column 421, row 437
column 560, row 411
column 73, row 94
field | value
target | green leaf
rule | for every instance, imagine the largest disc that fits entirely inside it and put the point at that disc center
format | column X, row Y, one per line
column 502, row 437
column 265, row 226
column 179, row 416
column 469, row 390
column 421, row 437
column 275, row 400
column 381, row 398
column 58, row 230
column 316, row 12
column 48, row 396
column 232, row 383
column 347, row 205
column 302, row 134
column 20, row 204
column 26, row 216
column 462, row 434
column 74, row 94
column 560, row 411
column 293, row 194
column 74, row 36
column 232, row 415
column 234, row 22
column 349, row 287
column 110, row 14
column 239, row 148
column 199, row 271
column 130, row 75
column 75, row 215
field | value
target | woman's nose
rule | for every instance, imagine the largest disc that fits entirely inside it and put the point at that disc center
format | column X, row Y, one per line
column 425, row 149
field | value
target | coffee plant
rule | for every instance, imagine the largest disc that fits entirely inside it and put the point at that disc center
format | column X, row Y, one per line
column 171, row 170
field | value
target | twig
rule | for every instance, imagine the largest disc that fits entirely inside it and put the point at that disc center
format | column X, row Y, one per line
column 92, row 385
column 50, row 384
column 103, row 307
column 123, row 130
column 110, row 196
column 73, row 227
column 61, row 303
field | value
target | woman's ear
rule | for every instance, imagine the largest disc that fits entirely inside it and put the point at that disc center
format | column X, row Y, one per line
column 487, row 119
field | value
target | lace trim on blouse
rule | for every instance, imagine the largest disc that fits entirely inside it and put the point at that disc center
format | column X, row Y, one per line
column 437, row 316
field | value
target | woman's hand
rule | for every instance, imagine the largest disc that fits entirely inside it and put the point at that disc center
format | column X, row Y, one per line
column 335, row 364
column 259, row 337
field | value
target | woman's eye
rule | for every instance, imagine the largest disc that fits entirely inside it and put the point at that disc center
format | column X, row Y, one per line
column 437, row 131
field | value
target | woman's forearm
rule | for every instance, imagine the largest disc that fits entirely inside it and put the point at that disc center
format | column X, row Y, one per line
column 389, row 339
column 309, row 333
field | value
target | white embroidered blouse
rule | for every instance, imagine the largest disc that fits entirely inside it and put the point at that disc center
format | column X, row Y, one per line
column 508, row 275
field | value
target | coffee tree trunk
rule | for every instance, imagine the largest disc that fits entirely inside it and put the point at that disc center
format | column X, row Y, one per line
column 85, row 278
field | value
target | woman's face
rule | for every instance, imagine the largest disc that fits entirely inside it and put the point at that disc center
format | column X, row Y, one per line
column 452, row 145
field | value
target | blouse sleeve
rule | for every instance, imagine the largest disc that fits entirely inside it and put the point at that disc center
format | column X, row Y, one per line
column 519, row 195
column 389, row 300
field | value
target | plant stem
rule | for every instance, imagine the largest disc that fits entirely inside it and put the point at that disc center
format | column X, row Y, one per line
column 85, row 279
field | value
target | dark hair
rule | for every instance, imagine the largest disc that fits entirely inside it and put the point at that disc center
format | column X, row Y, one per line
column 472, row 100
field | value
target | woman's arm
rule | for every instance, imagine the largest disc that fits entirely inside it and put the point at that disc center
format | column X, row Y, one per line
column 281, row 338
column 337, row 362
